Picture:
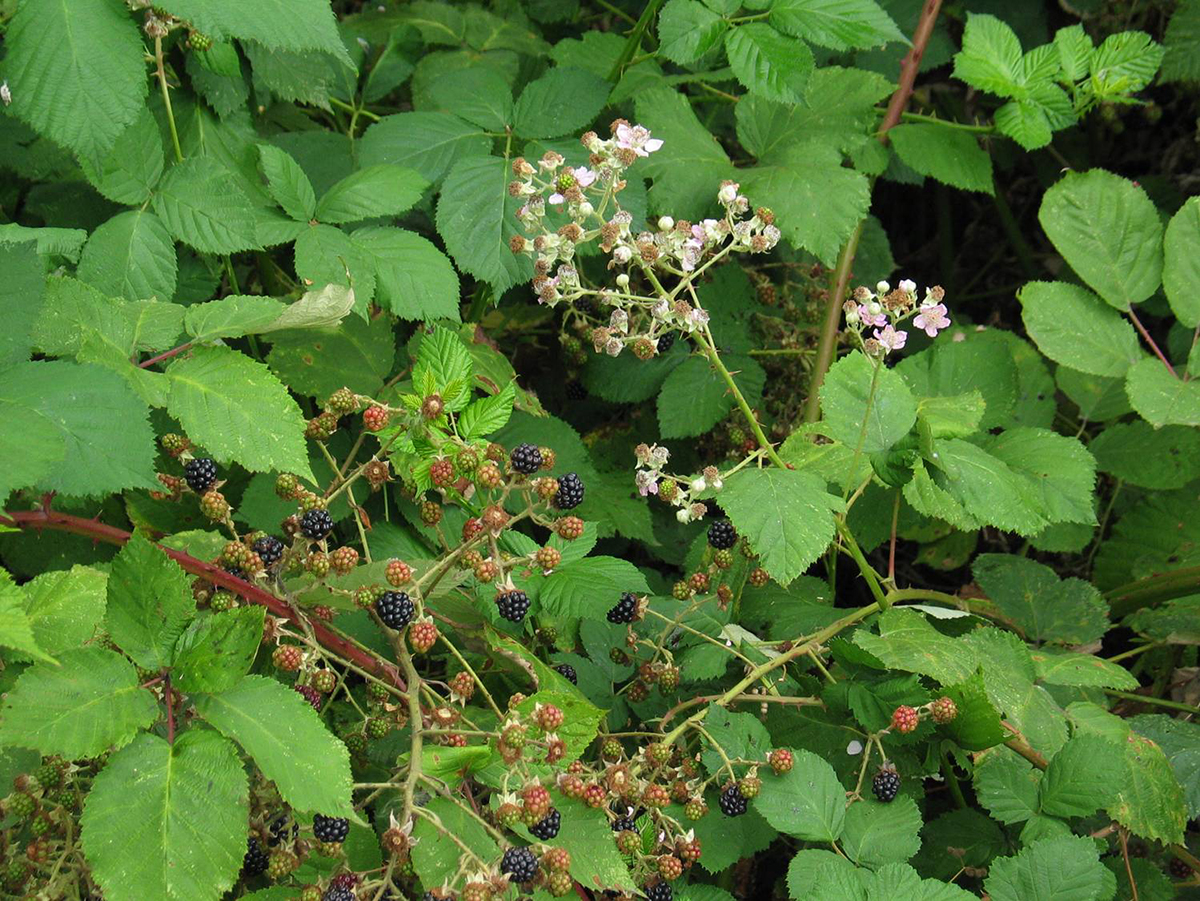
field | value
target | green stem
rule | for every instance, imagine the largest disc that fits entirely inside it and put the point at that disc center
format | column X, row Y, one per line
column 945, row 123
column 1157, row 702
column 166, row 95
column 827, row 344
column 868, row 572
column 1012, row 230
column 1125, row 599
column 710, row 350
column 634, row 40
column 952, row 781
column 413, row 696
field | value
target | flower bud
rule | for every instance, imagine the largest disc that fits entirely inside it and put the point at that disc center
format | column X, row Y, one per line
column 622, row 281
column 666, row 223
column 882, row 287
column 698, row 484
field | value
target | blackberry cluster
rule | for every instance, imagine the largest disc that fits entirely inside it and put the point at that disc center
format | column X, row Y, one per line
column 338, row 893
column 547, row 827
column 567, row 672
column 570, row 492
column 316, row 524
column 625, row 611
column 526, row 458
column 513, row 605
column 660, row 891
column 331, row 830
column 733, row 802
column 886, row 785
column 395, row 608
column 722, row 535
column 200, row 474
column 666, row 341
column 279, row 831
column 624, row 824
column 520, row 864
column 269, row 550
column 256, row 859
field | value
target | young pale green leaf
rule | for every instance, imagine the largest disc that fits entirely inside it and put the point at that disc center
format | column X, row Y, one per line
column 768, row 63
column 444, row 367
column 287, row 182
column 808, row 802
column 1160, row 397
column 1124, row 64
column 132, row 256
column 75, row 72
column 866, row 405
column 695, row 397
column 431, row 143
column 478, row 94
column 1071, row 326
column 836, row 24
column 270, row 722
column 1074, row 48
column 907, row 642
column 1181, row 263
column 590, row 587
column 991, row 56
column 182, row 806
column 877, row 833
column 236, row 408
column 78, row 708
column 1138, row 453
column 476, row 218
column 281, row 24
column 1036, row 601
column 383, row 190
column 413, row 278
column 205, row 208
column 149, row 603
column 486, row 415
column 217, row 650
column 128, row 172
column 947, row 154
column 687, row 30
column 1108, row 231
column 785, row 514
column 16, row 630
column 231, row 317
column 563, row 101
column 107, row 440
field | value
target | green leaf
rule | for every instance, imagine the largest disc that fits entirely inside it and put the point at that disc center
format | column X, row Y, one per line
column 413, row 278
column 129, row 171
column 1108, row 231
column 205, row 208
column 1160, row 397
column 1082, row 777
column 808, row 802
column 436, row 859
column 563, row 101
column 270, row 721
column 977, row 726
column 231, row 317
column 149, row 603
column 1007, row 788
column 283, row 24
column 589, row 587
column 991, row 56
column 132, row 256
column 898, row 880
column 1058, row 667
column 1031, row 120
column 1124, row 64
column 1058, row 472
column 16, row 631
column 287, row 183
column 431, row 143
column 1036, row 601
column 182, row 806
column 785, row 514
column 21, row 294
column 769, row 64
column 30, row 447
column 907, row 642
column 595, row 860
column 948, row 154
column 320, row 308
column 88, row 702
column 486, row 415
column 687, row 30
column 217, row 650
column 739, row 735
column 236, row 408
column 806, row 870
column 383, row 190
column 104, row 427
column 695, row 396
column 1072, row 326
column 836, row 24
column 1182, row 44
column 1057, row 869
column 478, row 94
column 1008, row 676
column 876, row 833
column 1180, row 741
column 317, row 362
column 865, row 405
column 1150, row 802
column 953, row 416
column 1142, row 455
column 65, row 606
column 65, row 242
column 324, row 254
column 1181, row 268
column 76, row 72
column 476, row 217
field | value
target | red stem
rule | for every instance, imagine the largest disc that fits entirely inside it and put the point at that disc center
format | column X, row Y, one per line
column 165, row 355
column 911, row 64
column 338, row 644
column 1137, row 324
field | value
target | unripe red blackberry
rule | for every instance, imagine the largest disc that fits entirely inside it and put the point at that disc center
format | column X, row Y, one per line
column 547, row 558
column 375, row 418
column 342, row 402
column 905, row 718
column 431, row 513
column 398, row 573
column 688, row 851
column 324, row 613
column 724, row 594
column 594, row 795
column 536, row 800
column 462, row 685
column 758, row 577
column 287, row 657
column 698, row 582
column 548, row 717
column 494, row 518
column 723, row 558
column 680, row 791
column 441, row 472
column 472, row 529
column 557, row 860
column 638, row 692
column 545, row 488
column 324, row 681
column 508, row 815
column 470, row 559
column 571, row 785
column 422, row 635
column 489, row 476
column 943, row 710
column 781, row 761
column 670, row 867
column 311, row 695
column 214, row 506
column 655, row 796
column 569, row 527
column 343, row 560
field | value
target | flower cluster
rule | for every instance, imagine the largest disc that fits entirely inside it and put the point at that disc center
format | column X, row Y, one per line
column 883, row 309
column 675, row 490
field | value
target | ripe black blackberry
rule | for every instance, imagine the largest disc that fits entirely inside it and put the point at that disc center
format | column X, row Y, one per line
column 395, row 608
column 269, row 550
column 256, row 859
column 547, row 827
column 330, row 829
column 886, row 784
column 733, row 802
column 660, row 891
column 200, row 474
column 520, row 864
column 666, row 341
column 567, row 672
column 722, row 534
column 575, row 390
column 512, row 605
column 570, row 492
column 625, row 611
column 338, row 893
column 526, row 458
column 316, row 524
column 624, row 824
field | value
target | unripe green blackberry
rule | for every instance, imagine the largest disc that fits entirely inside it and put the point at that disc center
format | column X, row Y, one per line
column 569, row 527
column 378, row 727
column 489, row 475
column 547, row 635
column 48, row 776
column 657, row 753
column 174, row 444
column 41, row 825
column 629, row 842
column 342, row 402
column 431, row 513
column 619, row 657
column 355, row 743
column 638, row 692
column 467, row 460
column 310, row 893
column 199, row 42
column 559, row 884
column 318, row 564
column 281, row 864
column 750, row 786
column 695, row 809
column 611, row 749
column 65, row 797
column 286, row 486
column 20, row 805
column 943, row 710
column 668, row 679
column 214, row 506
column 723, row 558
column 364, row 597
column 681, row 591
column 508, row 815
column 324, row 681
column 377, row 693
